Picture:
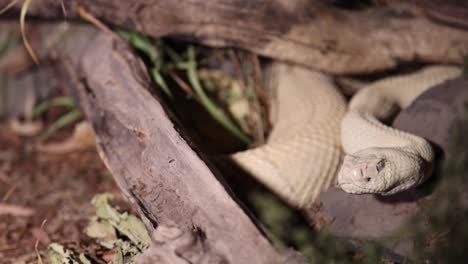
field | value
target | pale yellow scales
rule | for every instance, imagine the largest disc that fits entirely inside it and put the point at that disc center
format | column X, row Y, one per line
column 381, row 159
column 312, row 124
column 303, row 153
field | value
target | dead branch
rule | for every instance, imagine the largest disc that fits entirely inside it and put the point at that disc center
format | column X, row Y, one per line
column 159, row 172
column 317, row 34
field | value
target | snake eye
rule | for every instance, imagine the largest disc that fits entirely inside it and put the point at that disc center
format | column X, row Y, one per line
column 380, row 165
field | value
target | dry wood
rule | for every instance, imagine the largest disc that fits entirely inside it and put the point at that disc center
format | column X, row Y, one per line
column 172, row 187
column 15, row 210
column 313, row 33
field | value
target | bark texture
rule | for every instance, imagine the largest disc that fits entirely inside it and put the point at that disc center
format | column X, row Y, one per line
column 318, row 34
column 191, row 214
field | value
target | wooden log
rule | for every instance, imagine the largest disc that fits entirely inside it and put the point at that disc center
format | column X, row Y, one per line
column 191, row 214
column 317, row 34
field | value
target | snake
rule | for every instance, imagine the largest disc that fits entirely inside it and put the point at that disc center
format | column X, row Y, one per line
column 381, row 159
column 318, row 140
column 303, row 151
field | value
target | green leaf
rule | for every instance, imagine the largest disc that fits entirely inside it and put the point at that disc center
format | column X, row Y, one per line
column 215, row 111
column 128, row 225
column 161, row 82
column 58, row 254
column 84, row 259
column 64, row 101
column 100, row 230
column 140, row 42
column 61, row 122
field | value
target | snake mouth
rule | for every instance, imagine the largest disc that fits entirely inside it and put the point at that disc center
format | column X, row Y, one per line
column 355, row 190
column 349, row 186
column 358, row 189
column 348, row 190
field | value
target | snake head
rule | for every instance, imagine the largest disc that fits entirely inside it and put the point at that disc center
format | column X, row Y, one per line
column 381, row 171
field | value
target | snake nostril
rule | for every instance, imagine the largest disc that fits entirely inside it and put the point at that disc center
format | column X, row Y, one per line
column 368, row 179
column 358, row 173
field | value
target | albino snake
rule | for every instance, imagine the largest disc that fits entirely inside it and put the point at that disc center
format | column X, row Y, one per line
column 304, row 151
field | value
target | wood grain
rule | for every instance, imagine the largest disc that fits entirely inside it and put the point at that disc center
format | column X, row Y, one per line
column 316, row 33
column 169, row 183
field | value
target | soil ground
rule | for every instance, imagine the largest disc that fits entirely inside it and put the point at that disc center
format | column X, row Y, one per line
column 50, row 187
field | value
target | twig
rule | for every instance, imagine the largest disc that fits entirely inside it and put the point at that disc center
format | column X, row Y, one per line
column 9, row 192
column 256, row 130
column 30, row 101
column 27, row 128
column 96, row 22
column 239, row 71
column 62, row 4
column 36, row 245
column 24, row 10
column 15, row 210
column 10, row 5
column 182, row 84
column 261, row 96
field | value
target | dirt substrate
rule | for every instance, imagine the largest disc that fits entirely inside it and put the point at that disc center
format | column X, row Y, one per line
column 35, row 187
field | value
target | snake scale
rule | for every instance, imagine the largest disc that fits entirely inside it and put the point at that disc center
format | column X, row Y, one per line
column 313, row 125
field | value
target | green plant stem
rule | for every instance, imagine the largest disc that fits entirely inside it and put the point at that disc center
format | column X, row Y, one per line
column 216, row 112
column 58, row 101
column 161, row 82
column 144, row 45
column 61, row 122
column 141, row 43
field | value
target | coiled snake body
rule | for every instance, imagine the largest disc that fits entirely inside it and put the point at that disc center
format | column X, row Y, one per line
column 382, row 159
column 304, row 151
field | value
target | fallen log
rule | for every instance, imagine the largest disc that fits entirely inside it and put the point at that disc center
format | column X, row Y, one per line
column 188, row 209
column 318, row 34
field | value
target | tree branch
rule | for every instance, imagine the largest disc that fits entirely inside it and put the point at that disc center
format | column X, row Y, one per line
column 172, row 187
column 313, row 33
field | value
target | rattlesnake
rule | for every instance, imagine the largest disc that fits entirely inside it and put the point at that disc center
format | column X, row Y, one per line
column 303, row 153
column 382, row 159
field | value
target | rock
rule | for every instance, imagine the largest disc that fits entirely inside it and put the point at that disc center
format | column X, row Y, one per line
column 431, row 116
column 433, row 113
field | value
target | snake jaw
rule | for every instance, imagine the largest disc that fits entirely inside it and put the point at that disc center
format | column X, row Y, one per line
column 374, row 170
column 361, row 175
